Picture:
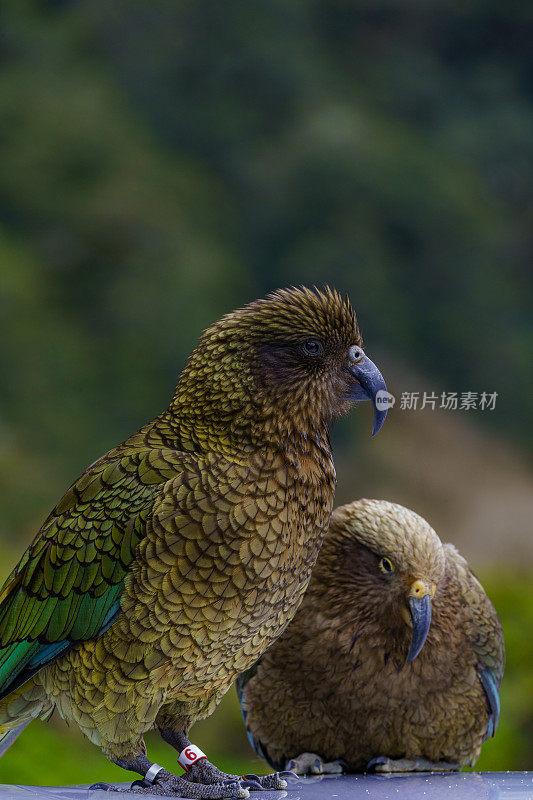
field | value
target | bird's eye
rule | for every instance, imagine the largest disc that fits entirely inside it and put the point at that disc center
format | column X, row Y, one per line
column 386, row 565
column 312, row 347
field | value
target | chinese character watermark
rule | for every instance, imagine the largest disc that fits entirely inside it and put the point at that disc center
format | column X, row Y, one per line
column 447, row 401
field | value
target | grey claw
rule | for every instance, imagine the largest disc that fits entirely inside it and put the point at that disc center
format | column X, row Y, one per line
column 251, row 777
column 253, row 785
column 286, row 773
column 291, row 764
column 317, row 762
column 374, row 761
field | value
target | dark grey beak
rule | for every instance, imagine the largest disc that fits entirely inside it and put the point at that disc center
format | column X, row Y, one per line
column 421, row 619
column 370, row 386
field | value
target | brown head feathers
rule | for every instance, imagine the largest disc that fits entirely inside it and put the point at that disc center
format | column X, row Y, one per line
column 275, row 367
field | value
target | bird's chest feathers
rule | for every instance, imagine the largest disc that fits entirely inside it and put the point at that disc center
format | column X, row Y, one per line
column 228, row 558
column 282, row 522
column 238, row 534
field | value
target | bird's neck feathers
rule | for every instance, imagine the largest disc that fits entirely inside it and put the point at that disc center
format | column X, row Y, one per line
column 357, row 618
column 225, row 410
column 358, row 623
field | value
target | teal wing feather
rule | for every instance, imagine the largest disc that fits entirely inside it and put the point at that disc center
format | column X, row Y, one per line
column 486, row 636
column 68, row 584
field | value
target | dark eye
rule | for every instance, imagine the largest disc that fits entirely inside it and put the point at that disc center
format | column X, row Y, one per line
column 312, row 347
column 386, row 565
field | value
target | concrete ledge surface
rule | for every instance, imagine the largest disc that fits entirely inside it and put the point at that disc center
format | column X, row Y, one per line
column 420, row 786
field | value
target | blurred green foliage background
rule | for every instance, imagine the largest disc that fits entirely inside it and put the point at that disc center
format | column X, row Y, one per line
column 164, row 162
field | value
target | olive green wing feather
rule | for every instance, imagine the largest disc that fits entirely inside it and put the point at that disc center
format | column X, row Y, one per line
column 67, row 586
column 486, row 636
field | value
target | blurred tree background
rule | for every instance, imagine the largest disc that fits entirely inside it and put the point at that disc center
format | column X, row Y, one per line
column 164, row 162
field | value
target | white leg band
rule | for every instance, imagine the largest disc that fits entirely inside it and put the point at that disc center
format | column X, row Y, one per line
column 152, row 774
column 189, row 755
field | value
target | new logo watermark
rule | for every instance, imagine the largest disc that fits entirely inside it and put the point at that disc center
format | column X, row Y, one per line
column 447, row 401
column 384, row 400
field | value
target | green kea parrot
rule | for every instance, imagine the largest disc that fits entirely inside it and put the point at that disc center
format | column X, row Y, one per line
column 393, row 661
column 178, row 557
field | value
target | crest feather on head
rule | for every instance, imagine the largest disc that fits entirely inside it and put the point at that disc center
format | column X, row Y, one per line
column 296, row 309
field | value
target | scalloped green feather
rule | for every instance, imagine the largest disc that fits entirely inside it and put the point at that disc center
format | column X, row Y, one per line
column 68, row 584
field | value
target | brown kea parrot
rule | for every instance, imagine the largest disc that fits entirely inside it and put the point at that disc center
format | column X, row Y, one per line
column 178, row 557
column 393, row 661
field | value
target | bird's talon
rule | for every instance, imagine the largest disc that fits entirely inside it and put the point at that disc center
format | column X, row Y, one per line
column 251, row 777
column 375, row 761
column 291, row 765
column 253, row 785
column 287, row 773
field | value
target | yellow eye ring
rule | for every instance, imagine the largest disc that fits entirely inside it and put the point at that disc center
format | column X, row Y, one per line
column 386, row 566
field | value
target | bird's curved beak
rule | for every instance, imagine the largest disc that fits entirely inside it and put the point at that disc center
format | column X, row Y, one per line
column 420, row 616
column 370, row 385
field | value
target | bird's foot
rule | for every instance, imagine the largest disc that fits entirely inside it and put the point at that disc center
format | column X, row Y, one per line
column 385, row 765
column 274, row 780
column 202, row 771
column 168, row 784
column 311, row 764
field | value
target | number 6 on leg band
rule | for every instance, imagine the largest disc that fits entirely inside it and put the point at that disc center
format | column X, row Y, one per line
column 189, row 755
